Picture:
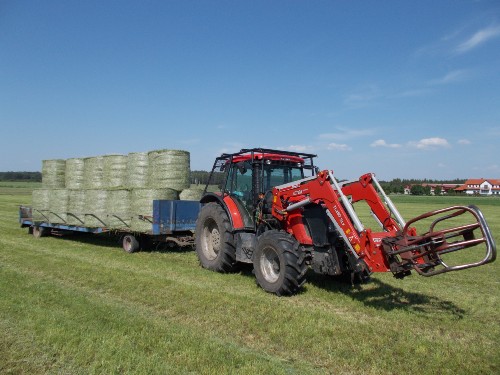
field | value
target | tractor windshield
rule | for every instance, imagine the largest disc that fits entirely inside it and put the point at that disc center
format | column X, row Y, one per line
column 275, row 175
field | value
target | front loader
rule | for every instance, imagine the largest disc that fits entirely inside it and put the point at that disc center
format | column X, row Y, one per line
column 277, row 211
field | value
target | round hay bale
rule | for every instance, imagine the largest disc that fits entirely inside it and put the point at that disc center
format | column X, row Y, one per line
column 58, row 206
column 75, row 173
column 95, row 208
column 118, row 208
column 76, row 207
column 137, row 170
column 169, row 169
column 53, row 174
column 192, row 194
column 141, row 203
column 40, row 202
column 93, row 171
column 114, row 170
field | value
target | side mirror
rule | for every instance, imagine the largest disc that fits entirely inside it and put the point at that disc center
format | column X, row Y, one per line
column 243, row 167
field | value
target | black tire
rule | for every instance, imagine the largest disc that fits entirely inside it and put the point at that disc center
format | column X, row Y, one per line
column 130, row 243
column 279, row 263
column 214, row 239
column 40, row 231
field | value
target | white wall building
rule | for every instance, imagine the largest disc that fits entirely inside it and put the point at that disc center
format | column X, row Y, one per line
column 480, row 186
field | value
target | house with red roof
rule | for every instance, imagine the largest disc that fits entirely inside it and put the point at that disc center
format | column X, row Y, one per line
column 480, row 186
column 444, row 188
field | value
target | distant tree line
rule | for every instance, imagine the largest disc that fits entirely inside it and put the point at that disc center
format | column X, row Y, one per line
column 21, row 176
column 418, row 186
column 199, row 177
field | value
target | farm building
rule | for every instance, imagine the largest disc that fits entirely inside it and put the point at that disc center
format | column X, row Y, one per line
column 480, row 186
column 445, row 188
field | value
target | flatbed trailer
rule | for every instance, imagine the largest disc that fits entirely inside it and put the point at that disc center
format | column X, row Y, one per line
column 173, row 223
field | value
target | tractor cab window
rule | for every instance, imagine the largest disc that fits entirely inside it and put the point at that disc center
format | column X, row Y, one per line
column 275, row 175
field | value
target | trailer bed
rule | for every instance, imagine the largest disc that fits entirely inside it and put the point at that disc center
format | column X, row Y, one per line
column 173, row 221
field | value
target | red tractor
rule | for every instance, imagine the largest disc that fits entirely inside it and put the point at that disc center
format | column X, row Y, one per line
column 276, row 210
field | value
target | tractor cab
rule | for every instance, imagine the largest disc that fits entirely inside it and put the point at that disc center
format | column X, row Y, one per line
column 247, row 175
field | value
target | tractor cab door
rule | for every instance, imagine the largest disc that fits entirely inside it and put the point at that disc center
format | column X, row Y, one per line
column 239, row 188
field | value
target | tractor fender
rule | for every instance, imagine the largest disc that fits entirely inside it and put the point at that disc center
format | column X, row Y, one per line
column 231, row 207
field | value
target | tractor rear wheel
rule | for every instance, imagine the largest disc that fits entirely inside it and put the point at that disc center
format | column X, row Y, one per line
column 279, row 266
column 214, row 240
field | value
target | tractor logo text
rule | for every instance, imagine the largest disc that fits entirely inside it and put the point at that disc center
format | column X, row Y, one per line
column 339, row 215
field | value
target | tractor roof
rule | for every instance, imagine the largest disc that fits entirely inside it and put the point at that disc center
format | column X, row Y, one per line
column 268, row 154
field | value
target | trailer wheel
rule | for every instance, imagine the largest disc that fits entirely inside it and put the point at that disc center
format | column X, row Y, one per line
column 130, row 243
column 40, row 231
column 214, row 240
column 278, row 264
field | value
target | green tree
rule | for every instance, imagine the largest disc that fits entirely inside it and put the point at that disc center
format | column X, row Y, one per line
column 417, row 190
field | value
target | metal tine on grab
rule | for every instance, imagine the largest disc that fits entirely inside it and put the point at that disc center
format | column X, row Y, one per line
column 435, row 242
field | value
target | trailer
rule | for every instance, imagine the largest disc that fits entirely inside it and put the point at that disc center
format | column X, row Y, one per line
column 173, row 223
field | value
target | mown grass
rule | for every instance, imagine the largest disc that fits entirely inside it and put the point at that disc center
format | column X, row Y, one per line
column 18, row 187
column 80, row 305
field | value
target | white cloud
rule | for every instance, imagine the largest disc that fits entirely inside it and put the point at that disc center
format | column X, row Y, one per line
column 494, row 132
column 344, row 134
column 192, row 141
column 339, row 147
column 464, row 142
column 363, row 96
column 480, row 37
column 230, row 147
column 451, row 77
column 430, row 143
column 412, row 93
column 299, row 148
column 383, row 143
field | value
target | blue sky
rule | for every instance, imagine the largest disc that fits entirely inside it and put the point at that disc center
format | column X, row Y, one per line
column 407, row 89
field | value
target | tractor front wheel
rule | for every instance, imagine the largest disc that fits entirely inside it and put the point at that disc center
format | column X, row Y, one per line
column 279, row 265
column 214, row 241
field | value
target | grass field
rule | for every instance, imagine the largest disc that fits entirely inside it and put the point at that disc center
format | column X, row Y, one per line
column 80, row 305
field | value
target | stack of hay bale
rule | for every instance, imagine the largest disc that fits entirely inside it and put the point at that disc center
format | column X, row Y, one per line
column 112, row 191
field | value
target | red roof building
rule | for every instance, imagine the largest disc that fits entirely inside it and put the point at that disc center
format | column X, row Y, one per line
column 480, row 186
column 444, row 188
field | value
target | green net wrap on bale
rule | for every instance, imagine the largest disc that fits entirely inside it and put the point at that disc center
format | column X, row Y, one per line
column 53, row 174
column 192, row 194
column 95, row 208
column 169, row 169
column 40, row 202
column 75, row 173
column 137, row 170
column 58, row 206
column 114, row 170
column 76, row 207
column 118, row 209
column 141, row 203
column 93, row 172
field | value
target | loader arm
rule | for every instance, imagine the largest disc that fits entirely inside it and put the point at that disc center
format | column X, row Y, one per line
column 397, row 248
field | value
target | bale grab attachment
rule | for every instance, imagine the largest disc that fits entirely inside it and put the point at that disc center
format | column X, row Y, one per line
column 427, row 254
